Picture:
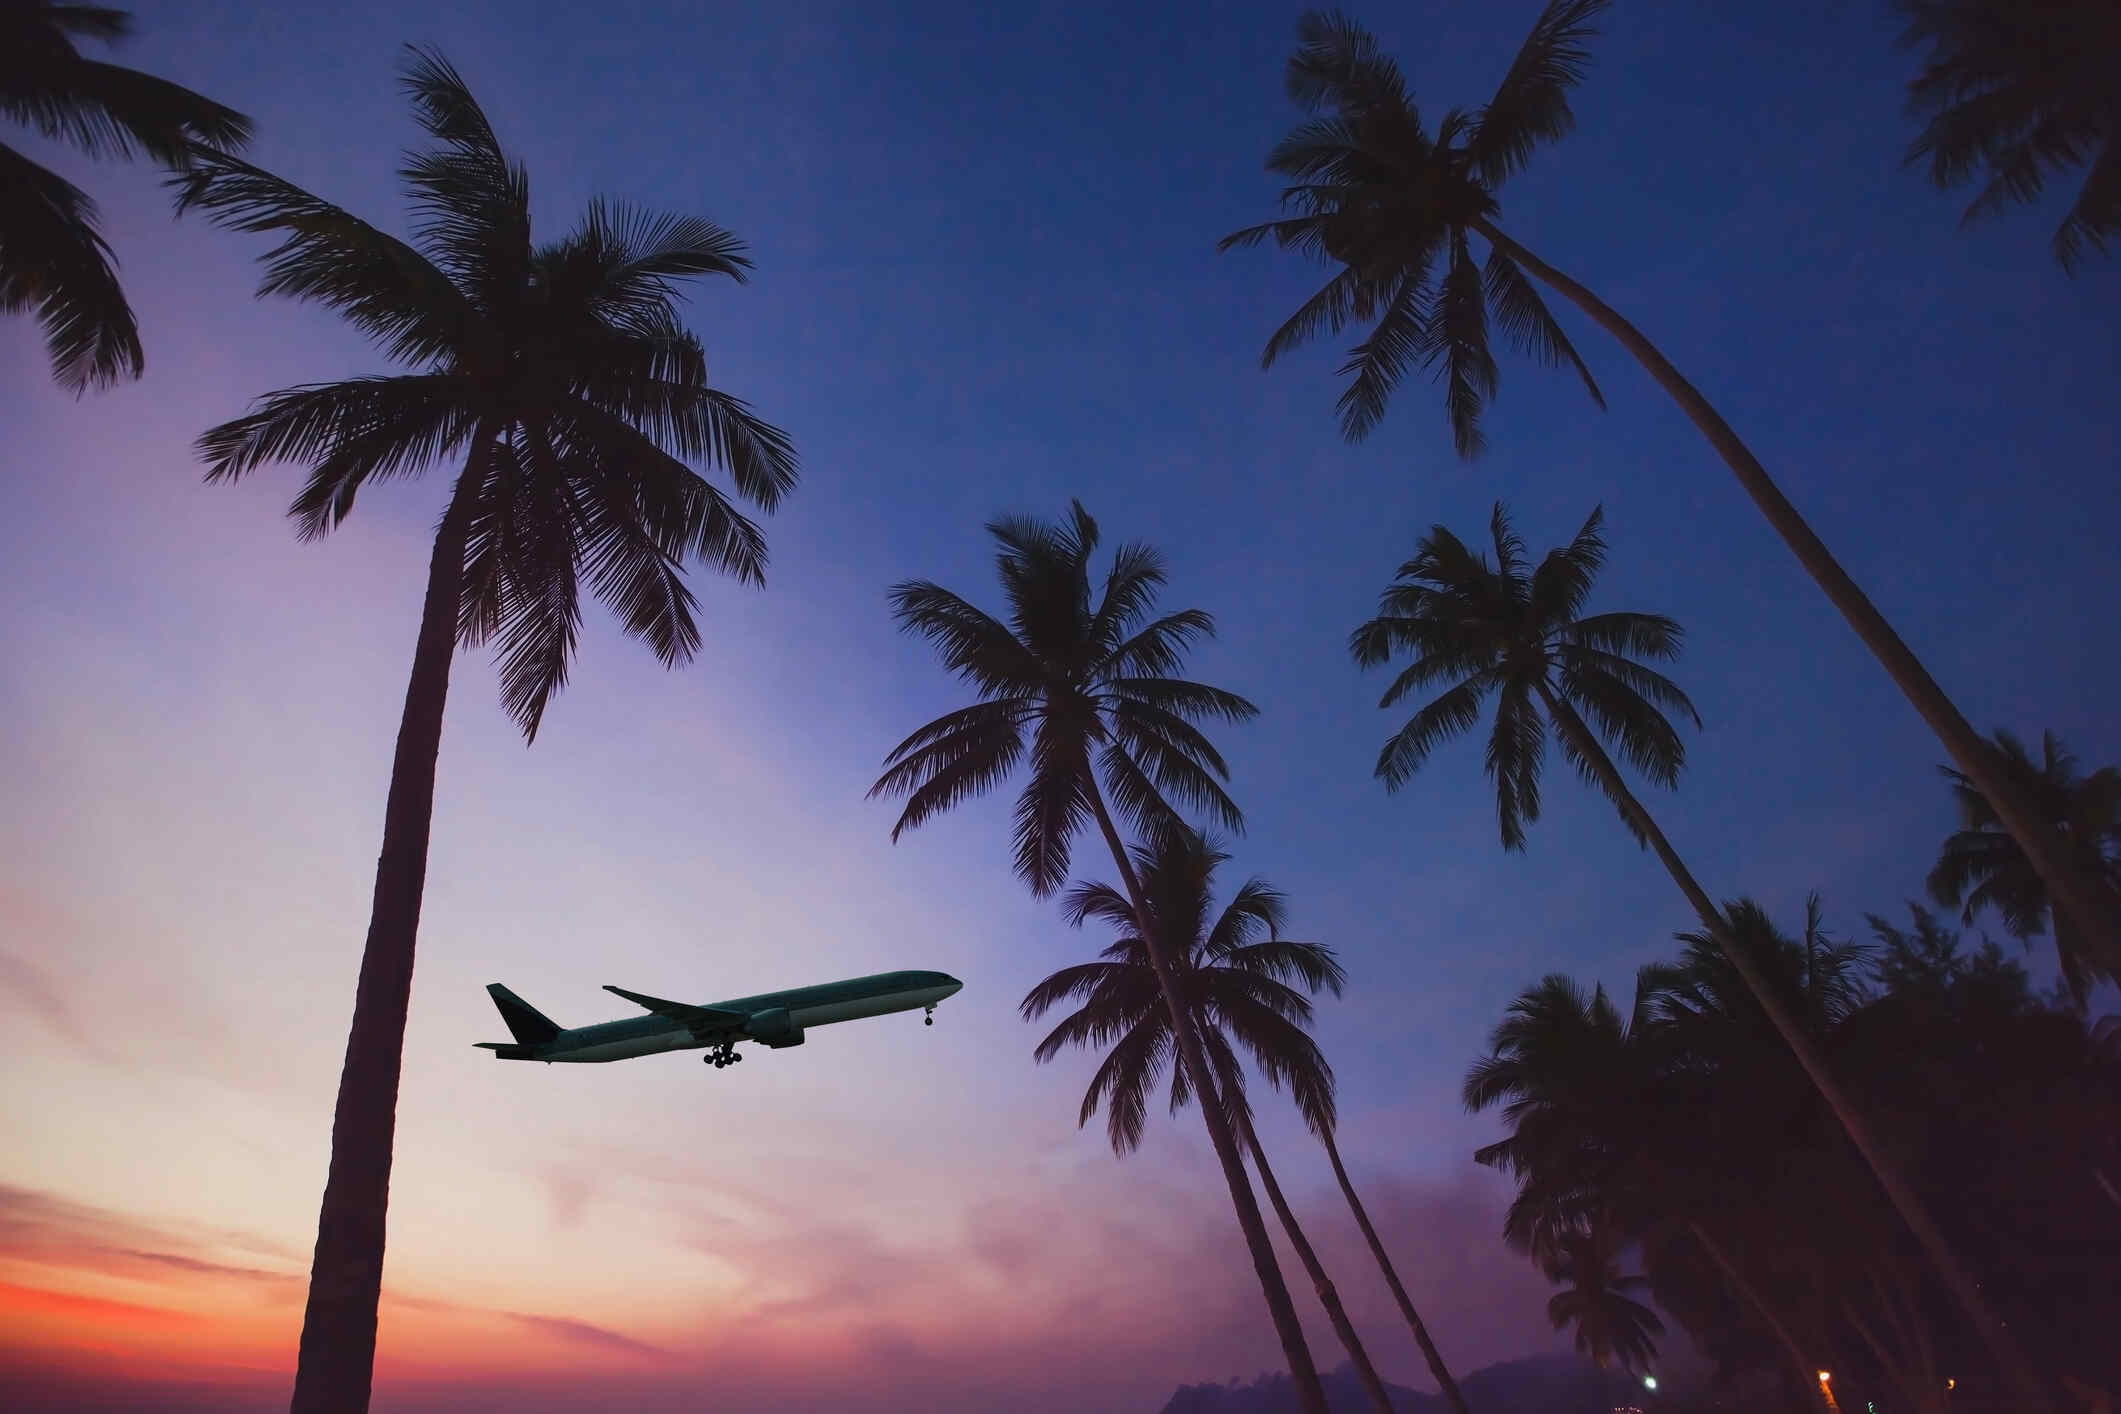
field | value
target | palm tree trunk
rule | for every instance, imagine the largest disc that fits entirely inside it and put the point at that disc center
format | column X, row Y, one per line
column 338, row 1349
column 1437, row 1370
column 1309, row 1392
column 1805, row 1371
column 2084, row 895
column 1965, row 1290
column 1327, row 1295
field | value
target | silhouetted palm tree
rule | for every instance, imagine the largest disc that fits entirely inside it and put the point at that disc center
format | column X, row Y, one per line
column 1982, row 866
column 1092, row 682
column 53, row 260
column 1612, row 1327
column 1376, row 192
column 1234, row 971
column 1520, row 635
column 1601, row 1138
column 2016, row 91
column 562, row 376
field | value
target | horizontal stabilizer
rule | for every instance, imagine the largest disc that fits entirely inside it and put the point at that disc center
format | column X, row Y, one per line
column 701, row 1019
column 506, row 1052
column 526, row 1023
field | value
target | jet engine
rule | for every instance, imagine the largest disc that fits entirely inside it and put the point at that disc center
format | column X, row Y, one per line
column 774, row 1028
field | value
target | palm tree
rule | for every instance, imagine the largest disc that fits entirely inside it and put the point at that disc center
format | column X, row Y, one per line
column 1233, row 971
column 562, row 376
column 53, row 260
column 2017, row 90
column 1982, row 866
column 1612, row 1327
column 1377, row 193
column 1092, row 680
column 1518, row 633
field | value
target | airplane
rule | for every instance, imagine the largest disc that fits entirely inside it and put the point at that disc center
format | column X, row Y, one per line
column 776, row 1020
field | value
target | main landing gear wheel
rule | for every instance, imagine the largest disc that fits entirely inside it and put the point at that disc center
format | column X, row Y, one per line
column 720, row 1058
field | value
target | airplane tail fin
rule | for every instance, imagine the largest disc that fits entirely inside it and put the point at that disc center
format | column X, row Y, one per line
column 526, row 1023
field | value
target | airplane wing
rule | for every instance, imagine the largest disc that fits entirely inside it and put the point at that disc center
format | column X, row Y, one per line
column 704, row 1020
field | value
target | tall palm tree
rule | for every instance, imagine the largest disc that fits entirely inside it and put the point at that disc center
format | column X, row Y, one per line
column 53, row 260
column 2016, row 91
column 562, row 377
column 1612, row 1327
column 1091, row 679
column 1234, row 970
column 1377, row 193
column 1518, row 633
column 1982, row 866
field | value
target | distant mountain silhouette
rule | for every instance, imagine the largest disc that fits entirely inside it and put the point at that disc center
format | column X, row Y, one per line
column 1540, row 1384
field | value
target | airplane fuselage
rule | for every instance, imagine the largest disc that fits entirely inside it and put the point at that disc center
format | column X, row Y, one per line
column 790, row 1012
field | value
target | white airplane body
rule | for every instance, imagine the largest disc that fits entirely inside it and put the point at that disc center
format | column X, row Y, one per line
column 776, row 1020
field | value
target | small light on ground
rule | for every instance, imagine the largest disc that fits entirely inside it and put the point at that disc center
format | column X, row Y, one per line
column 1649, row 1382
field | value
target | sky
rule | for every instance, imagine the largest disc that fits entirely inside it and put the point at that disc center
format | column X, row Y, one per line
column 985, row 283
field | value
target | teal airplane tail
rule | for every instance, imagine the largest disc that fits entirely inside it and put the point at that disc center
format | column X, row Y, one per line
column 526, row 1023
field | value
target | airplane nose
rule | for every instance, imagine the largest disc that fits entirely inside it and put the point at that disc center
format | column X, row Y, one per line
column 955, row 985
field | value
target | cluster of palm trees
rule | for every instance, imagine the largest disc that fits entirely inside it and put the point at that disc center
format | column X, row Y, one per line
column 562, row 380
column 1681, row 1131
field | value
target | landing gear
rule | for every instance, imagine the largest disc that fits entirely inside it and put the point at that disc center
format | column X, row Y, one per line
column 722, row 1055
column 929, row 1019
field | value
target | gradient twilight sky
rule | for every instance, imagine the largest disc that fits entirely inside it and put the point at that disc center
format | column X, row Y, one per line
column 985, row 282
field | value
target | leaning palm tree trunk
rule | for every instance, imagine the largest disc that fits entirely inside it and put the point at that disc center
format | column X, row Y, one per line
column 2081, row 894
column 338, row 1348
column 1799, row 1366
column 1965, row 1291
column 1437, row 1369
column 1309, row 1392
column 1327, row 1295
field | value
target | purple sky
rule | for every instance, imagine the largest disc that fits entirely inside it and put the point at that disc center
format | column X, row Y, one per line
column 985, row 283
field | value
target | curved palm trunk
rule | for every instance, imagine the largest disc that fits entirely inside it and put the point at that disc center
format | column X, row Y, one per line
column 1310, row 1394
column 2084, row 895
column 1965, row 1290
column 346, row 1274
column 1437, row 1369
column 1803, row 1369
column 1327, row 1295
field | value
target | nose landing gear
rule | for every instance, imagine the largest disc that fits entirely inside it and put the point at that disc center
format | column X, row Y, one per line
column 929, row 1019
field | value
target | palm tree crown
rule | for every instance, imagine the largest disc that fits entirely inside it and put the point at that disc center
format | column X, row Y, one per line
column 2016, row 91
column 1982, row 866
column 1519, row 633
column 1375, row 191
column 561, row 367
column 1076, row 673
column 53, row 260
column 1234, row 970
column 1612, row 1327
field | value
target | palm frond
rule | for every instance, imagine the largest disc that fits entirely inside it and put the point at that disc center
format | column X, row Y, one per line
column 109, row 111
column 1338, row 64
column 1527, row 323
column 1457, row 338
column 953, row 758
column 58, row 266
column 1450, row 714
column 1404, row 332
column 351, row 432
column 1130, row 589
column 379, row 284
column 1563, row 580
column 974, row 645
column 1159, row 649
column 1516, row 746
column 1054, row 805
column 1531, row 105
